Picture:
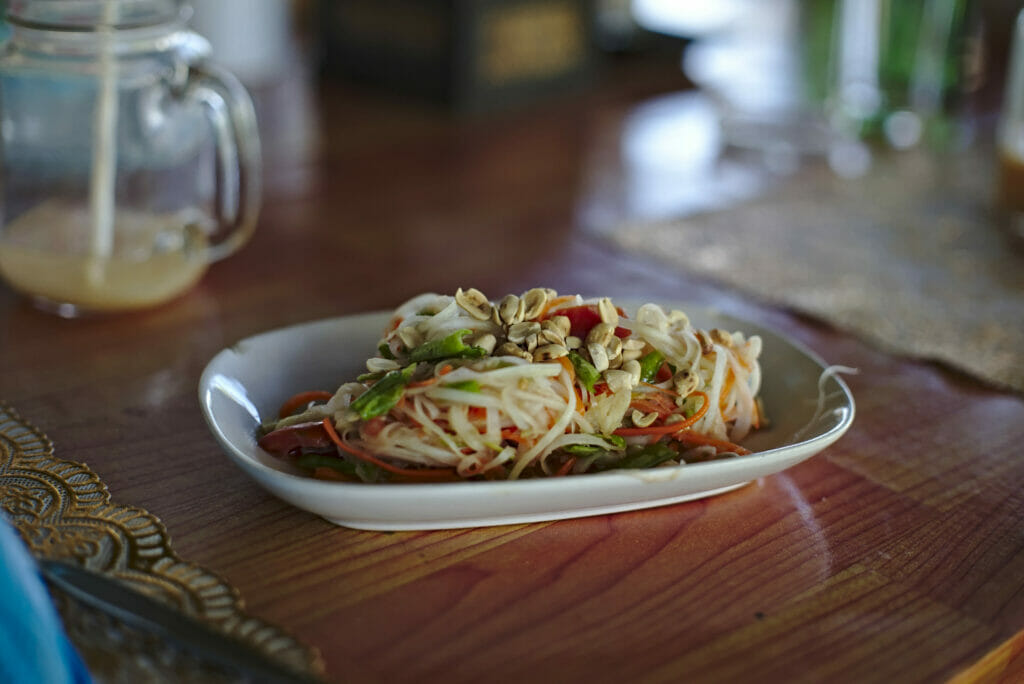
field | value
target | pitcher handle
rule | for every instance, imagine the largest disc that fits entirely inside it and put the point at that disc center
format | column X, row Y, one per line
column 238, row 173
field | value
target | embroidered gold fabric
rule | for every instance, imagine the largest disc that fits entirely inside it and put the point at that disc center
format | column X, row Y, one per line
column 63, row 511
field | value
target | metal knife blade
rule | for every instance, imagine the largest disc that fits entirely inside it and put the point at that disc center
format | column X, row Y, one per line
column 142, row 612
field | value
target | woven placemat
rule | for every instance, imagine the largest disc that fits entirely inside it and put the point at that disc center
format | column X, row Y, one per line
column 911, row 257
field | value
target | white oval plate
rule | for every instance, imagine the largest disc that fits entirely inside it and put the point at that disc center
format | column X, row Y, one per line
column 248, row 381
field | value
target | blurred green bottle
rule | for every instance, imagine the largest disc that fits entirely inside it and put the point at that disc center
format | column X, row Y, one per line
column 892, row 70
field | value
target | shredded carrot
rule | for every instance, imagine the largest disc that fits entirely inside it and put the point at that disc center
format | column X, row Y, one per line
column 418, row 473
column 567, row 365
column 723, row 398
column 654, row 402
column 300, row 400
column 671, row 427
column 566, row 467
column 554, row 304
column 720, row 444
column 511, row 433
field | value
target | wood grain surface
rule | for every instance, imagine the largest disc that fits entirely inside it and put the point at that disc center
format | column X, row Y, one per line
column 895, row 555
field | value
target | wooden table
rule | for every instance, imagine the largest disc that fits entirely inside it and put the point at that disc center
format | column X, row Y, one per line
column 895, row 555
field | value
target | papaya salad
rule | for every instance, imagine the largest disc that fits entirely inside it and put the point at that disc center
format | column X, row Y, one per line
column 528, row 386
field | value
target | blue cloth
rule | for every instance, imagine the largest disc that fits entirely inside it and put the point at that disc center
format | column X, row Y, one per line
column 33, row 645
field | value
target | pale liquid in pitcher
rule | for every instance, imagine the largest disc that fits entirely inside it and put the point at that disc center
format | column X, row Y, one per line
column 1010, row 184
column 45, row 254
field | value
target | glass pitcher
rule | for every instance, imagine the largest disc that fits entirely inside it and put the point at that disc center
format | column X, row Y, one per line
column 129, row 163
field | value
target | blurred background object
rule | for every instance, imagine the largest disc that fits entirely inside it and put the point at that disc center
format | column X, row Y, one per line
column 754, row 66
column 250, row 38
column 129, row 162
column 1010, row 138
column 779, row 83
column 470, row 55
column 34, row 645
column 266, row 44
column 900, row 71
column 824, row 77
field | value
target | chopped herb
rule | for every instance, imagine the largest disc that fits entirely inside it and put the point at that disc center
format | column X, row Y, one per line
column 450, row 347
column 371, row 377
column 587, row 449
column 465, row 385
column 383, row 395
column 367, row 472
column 650, row 365
column 384, row 350
column 585, row 371
column 314, row 461
column 691, row 404
column 647, row 456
